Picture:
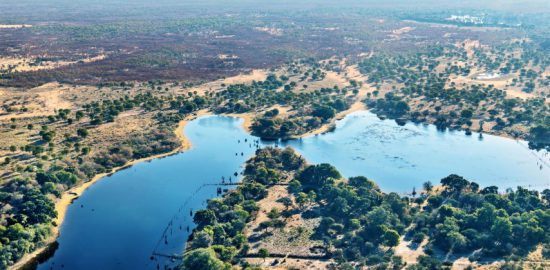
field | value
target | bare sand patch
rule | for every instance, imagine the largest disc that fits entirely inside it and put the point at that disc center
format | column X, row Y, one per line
column 402, row 30
column 247, row 117
column 43, row 100
column 14, row 26
column 516, row 93
column 214, row 86
column 470, row 46
column 270, row 30
column 503, row 82
column 409, row 251
column 534, row 260
column 254, row 75
column 352, row 72
column 330, row 80
column 24, row 64
column 397, row 33
column 227, row 56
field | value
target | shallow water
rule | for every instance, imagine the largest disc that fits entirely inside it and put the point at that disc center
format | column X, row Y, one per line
column 119, row 222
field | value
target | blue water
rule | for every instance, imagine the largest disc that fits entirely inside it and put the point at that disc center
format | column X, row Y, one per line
column 124, row 215
column 119, row 221
column 399, row 158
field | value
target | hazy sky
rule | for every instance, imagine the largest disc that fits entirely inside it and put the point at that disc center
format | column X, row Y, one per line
column 21, row 10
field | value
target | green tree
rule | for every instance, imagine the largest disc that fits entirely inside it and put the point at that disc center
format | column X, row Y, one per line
column 294, row 186
column 274, row 213
column 361, row 181
column 263, row 253
column 202, row 240
column 202, row 259
column 204, row 217
column 454, row 183
column 391, row 238
column 502, row 228
column 428, row 186
column 82, row 132
column 467, row 113
column 286, row 201
column 317, row 175
column 302, row 199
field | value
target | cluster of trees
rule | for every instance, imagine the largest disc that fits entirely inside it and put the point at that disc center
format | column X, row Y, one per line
column 359, row 224
column 238, row 98
column 464, row 218
column 188, row 105
column 391, row 105
column 450, row 106
column 275, row 128
column 107, row 110
column 26, row 203
column 27, row 215
column 312, row 117
column 309, row 109
column 141, row 146
column 539, row 137
column 218, row 239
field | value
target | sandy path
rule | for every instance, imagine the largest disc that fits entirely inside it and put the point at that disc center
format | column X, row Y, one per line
column 409, row 255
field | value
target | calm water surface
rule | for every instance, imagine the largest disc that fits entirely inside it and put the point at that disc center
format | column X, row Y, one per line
column 399, row 158
column 120, row 221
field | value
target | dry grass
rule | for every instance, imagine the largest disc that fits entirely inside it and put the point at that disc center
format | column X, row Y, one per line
column 295, row 238
column 24, row 64
column 287, row 263
column 35, row 102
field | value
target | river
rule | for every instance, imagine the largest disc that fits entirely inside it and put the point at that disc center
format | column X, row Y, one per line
column 119, row 222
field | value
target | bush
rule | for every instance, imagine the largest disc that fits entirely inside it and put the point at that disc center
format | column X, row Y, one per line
column 418, row 237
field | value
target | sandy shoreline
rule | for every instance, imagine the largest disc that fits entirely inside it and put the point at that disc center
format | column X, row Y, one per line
column 247, row 117
column 67, row 198
column 63, row 203
column 357, row 106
